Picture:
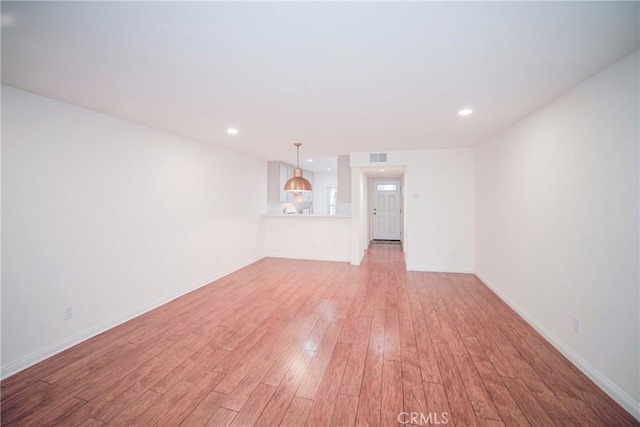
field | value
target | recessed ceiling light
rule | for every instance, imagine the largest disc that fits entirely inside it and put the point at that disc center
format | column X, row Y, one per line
column 381, row 170
column 232, row 131
column 328, row 169
column 309, row 160
column 465, row 112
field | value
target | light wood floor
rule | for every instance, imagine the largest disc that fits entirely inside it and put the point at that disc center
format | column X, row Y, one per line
column 327, row 344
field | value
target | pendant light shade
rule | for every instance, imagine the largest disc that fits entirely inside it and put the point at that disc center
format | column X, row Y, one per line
column 298, row 184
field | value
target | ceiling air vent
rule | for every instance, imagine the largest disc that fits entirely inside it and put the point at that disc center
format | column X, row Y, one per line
column 377, row 157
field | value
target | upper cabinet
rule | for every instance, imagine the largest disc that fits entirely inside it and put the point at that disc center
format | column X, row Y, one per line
column 273, row 192
column 308, row 175
column 278, row 175
column 344, row 179
column 285, row 171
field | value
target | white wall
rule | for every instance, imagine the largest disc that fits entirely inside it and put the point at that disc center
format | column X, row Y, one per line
column 557, row 224
column 439, row 231
column 322, row 180
column 359, row 219
column 110, row 218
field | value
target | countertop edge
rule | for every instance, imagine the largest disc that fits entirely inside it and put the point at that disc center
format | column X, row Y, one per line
column 305, row 216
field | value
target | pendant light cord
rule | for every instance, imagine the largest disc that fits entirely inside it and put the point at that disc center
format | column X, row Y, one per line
column 297, row 144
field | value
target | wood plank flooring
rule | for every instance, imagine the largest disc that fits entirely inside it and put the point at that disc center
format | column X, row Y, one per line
column 293, row 342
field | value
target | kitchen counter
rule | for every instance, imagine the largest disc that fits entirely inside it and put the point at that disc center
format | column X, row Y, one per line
column 279, row 215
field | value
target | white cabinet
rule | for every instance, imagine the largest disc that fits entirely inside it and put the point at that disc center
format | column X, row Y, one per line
column 273, row 181
column 308, row 175
column 286, row 172
column 344, row 179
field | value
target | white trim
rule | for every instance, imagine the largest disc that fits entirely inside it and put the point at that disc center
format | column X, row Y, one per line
column 364, row 254
column 616, row 393
column 40, row 355
column 309, row 257
column 438, row 269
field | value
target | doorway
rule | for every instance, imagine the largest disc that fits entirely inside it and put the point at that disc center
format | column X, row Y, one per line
column 386, row 209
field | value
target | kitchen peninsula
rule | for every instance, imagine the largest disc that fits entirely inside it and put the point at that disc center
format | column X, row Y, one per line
column 318, row 237
column 309, row 233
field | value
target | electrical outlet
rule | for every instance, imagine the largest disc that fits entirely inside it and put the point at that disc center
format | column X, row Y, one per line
column 68, row 313
column 576, row 325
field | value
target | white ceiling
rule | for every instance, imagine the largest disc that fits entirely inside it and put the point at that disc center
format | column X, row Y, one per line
column 338, row 77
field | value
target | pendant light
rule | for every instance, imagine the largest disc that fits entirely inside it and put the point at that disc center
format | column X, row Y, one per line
column 297, row 184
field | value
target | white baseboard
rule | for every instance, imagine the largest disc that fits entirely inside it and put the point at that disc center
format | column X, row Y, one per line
column 437, row 269
column 40, row 355
column 616, row 393
column 357, row 261
column 309, row 257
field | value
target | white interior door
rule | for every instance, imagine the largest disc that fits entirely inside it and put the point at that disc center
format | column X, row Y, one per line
column 387, row 215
